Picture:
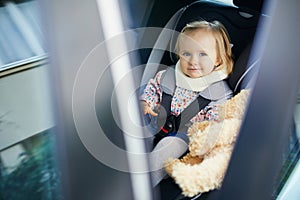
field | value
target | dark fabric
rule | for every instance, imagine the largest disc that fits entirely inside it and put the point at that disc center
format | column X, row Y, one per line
column 169, row 124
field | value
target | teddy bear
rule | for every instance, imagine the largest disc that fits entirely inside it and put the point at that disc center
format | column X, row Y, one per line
column 211, row 144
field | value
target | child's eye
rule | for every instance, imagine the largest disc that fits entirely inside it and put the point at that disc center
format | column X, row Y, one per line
column 202, row 54
column 186, row 54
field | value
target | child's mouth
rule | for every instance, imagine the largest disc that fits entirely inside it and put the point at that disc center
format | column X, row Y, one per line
column 193, row 69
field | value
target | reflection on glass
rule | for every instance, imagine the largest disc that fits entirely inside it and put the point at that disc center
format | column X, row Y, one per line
column 28, row 169
column 21, row 38
column 291, row 156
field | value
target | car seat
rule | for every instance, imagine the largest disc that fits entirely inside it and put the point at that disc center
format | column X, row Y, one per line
column 241, row 25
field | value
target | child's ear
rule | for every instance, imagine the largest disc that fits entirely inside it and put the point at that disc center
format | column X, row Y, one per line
column 218, row 62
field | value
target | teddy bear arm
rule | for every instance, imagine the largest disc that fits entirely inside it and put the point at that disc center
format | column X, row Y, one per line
column 187, row 159
column 199, row 146
column 203, row 177
column 204, row 141
column 229, row 132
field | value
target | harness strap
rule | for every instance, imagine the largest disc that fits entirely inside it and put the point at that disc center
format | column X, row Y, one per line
column 170, row 124
column 188, row 113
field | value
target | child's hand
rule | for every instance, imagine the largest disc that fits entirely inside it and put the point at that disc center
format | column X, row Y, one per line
column 209, row 113
column 147, row 109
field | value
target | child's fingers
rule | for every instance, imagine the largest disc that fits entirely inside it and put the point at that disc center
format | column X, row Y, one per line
column 151, row 112
column 147, row 109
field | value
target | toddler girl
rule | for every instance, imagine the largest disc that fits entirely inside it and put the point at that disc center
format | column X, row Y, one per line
column 205, row 61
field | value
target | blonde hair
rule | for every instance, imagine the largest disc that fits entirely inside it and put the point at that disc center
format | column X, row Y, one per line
column 223, row 45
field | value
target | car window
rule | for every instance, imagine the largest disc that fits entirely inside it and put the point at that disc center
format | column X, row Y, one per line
column 288, row 178
column 22, row 43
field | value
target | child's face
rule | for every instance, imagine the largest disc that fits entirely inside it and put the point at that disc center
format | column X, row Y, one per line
column 198, row 54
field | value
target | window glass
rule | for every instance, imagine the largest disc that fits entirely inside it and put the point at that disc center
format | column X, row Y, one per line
column 28, row 169
column 21, row 38
column 27, row 157
column 287, row 183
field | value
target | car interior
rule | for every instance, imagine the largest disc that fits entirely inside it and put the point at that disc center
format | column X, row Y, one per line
column 241, row 25
column 243, row 20
column 98, row 53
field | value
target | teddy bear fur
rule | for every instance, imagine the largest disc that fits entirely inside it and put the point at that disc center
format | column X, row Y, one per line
column 210, row 149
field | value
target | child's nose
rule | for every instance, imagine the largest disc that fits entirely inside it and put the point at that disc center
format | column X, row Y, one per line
column 194, row 60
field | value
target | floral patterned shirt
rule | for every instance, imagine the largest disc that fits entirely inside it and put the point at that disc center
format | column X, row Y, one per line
column 182, row 99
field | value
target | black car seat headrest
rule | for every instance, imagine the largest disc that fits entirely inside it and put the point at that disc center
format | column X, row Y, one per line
column 253, row 5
